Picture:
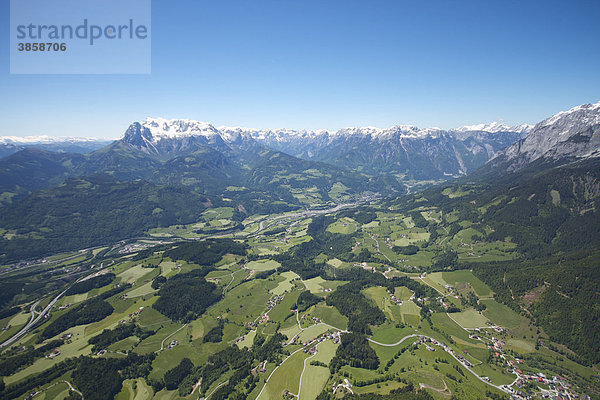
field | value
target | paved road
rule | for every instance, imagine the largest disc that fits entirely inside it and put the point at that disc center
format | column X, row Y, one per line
column 393, row 344
column 34, row 320
column 447, row 349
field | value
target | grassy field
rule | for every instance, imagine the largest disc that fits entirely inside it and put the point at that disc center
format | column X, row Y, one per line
column 243, row 303
column 521, row 346
column 455, row 277
column 168, row 358
column 74, row 298
column 290, row 330
column 453, row 193
column 248, row 340
column 20, row 318
column 133, row 274
column 344, row 226
column 282, row 310
column 154, row 342
column 77, row 346
column 410, row 313
column 135, row 389
column 263, row 265
column 314, row 284
column 337, row 190
column 403, row 293
column 286, row 285
column 379, row 388
column 286, row 377
column 501, row 314
column 124, row 345
column 377, row 294
column 445, row 324
column 315, row 377
column 469, row 319
column 317, row 284
column 390, row 334
column 142, row 290
column 56, row 391
column 331, row 316
column 436, row 280
column 312, row 332
column 334, row 262
column 167, row 268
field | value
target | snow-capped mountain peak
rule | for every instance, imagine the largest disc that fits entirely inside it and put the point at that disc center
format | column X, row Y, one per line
column 162, row 128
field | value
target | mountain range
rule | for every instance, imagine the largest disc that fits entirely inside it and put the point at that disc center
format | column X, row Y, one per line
column 404, row 151
column 262, row 172
column 12, row 144
column 198, row 156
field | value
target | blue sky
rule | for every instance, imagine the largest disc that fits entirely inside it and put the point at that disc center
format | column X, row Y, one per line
column 328, row 64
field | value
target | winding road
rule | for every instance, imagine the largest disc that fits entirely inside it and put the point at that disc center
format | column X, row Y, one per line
column 447, row 349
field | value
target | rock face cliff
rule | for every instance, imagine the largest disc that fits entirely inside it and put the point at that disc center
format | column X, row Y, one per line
column 568, row 135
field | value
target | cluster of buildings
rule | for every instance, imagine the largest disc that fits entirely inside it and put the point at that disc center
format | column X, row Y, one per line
column 388, row 242
column 365, row 266
column 273, row 301
column 396, row 300
column 310, row 347
column 407, row 267
column 136, row 313
column 133, row 247
column 555, row 388
column 451, row 290
column 264, row 317
column 23, row 264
